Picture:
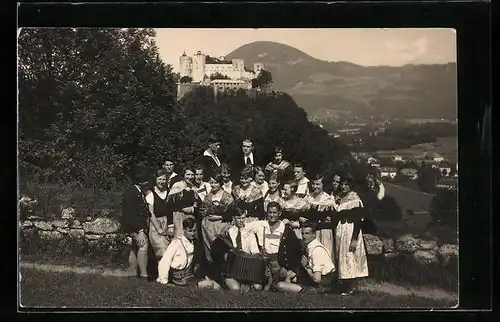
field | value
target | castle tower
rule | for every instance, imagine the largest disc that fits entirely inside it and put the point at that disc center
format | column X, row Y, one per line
column 257, row 67
column 186, row 65
column 198, row 67
column 238, row 65
column 238, row 68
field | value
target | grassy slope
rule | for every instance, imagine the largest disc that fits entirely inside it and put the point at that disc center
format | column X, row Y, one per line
column 44, row 289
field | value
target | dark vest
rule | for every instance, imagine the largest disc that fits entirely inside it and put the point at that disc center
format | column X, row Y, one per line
column 160, row 207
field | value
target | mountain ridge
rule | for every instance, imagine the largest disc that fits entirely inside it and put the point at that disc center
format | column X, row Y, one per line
column 411, row 90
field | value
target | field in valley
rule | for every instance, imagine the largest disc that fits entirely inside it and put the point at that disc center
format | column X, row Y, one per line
column 445, row 146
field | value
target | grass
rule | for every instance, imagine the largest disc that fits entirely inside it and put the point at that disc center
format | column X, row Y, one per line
column 69, row 290
column 445, row 146
column 403, row 270
column 408, row 198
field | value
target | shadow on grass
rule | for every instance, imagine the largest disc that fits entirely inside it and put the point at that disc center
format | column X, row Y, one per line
column 45, row 289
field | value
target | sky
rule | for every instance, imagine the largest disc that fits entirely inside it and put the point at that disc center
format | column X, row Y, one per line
column 367, row 47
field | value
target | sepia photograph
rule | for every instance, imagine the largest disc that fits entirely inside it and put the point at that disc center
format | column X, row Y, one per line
column 248, row 168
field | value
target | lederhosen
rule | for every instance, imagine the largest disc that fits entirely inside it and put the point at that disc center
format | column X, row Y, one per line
column 184, row 276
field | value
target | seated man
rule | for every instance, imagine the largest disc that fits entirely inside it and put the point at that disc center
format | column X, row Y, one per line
column 278, row 243
column 244, row 240
column 182, row 259
column 317, row 264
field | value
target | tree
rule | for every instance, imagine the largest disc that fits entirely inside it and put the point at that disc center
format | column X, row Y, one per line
column 218, row 76
column 186, row 79
column 92, row 102
column 444, row 208
column 263, row 79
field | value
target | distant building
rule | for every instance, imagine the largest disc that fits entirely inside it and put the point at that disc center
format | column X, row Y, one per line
column 198, row 66
column 397, row 158
column 349, row 131
column 410, row 173
column 447, row 183
column 445, row 170
column 388, row 172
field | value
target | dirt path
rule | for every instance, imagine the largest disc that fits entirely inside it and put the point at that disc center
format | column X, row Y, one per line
column 367, row 285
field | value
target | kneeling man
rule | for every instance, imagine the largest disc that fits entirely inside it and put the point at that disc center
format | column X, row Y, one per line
column 180, row 262
column 317, row 264
column 279, row 244
column 244, row 240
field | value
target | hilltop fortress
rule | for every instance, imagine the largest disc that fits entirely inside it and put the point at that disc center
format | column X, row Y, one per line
column 201, row 67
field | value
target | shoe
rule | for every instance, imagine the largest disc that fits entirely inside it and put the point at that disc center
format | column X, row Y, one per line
column 345, row 293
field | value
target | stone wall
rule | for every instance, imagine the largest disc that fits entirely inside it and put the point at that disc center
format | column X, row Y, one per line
column 100, row 238
column 423, row 251
column 106, row 231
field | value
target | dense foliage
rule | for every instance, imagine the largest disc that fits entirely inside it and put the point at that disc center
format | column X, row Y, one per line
column 269, row 120
column 186, row 79
column 263, row 79
column 444, row 208
column 92, row 102
column 218, row 76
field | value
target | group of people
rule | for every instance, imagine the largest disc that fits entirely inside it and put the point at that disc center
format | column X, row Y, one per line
column 247, row 225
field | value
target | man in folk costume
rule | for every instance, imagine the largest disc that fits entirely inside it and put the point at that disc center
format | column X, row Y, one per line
column 172, row 177
column 134, row 221
column 180, row 262
column 210, row 158
column 278, row 243
column 316, row 263
column 201, row 186
column 301, row 180
column 241, row 239
column 350, row 247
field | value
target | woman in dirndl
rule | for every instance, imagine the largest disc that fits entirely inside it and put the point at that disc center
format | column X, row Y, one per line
column 215, row 213
column 274, row 193
column 350, row 249
column 161, row 216
column 321, row 212
column 279, row 165
column 293, row 207
column 183, row 200
column 260, row 180
column 248, row 196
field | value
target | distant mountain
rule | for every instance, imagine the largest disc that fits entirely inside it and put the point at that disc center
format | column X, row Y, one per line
column 320, row 87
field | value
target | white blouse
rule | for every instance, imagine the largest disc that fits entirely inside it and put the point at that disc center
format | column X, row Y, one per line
column 302, row 186
column 248, row 240
column 269, row 240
